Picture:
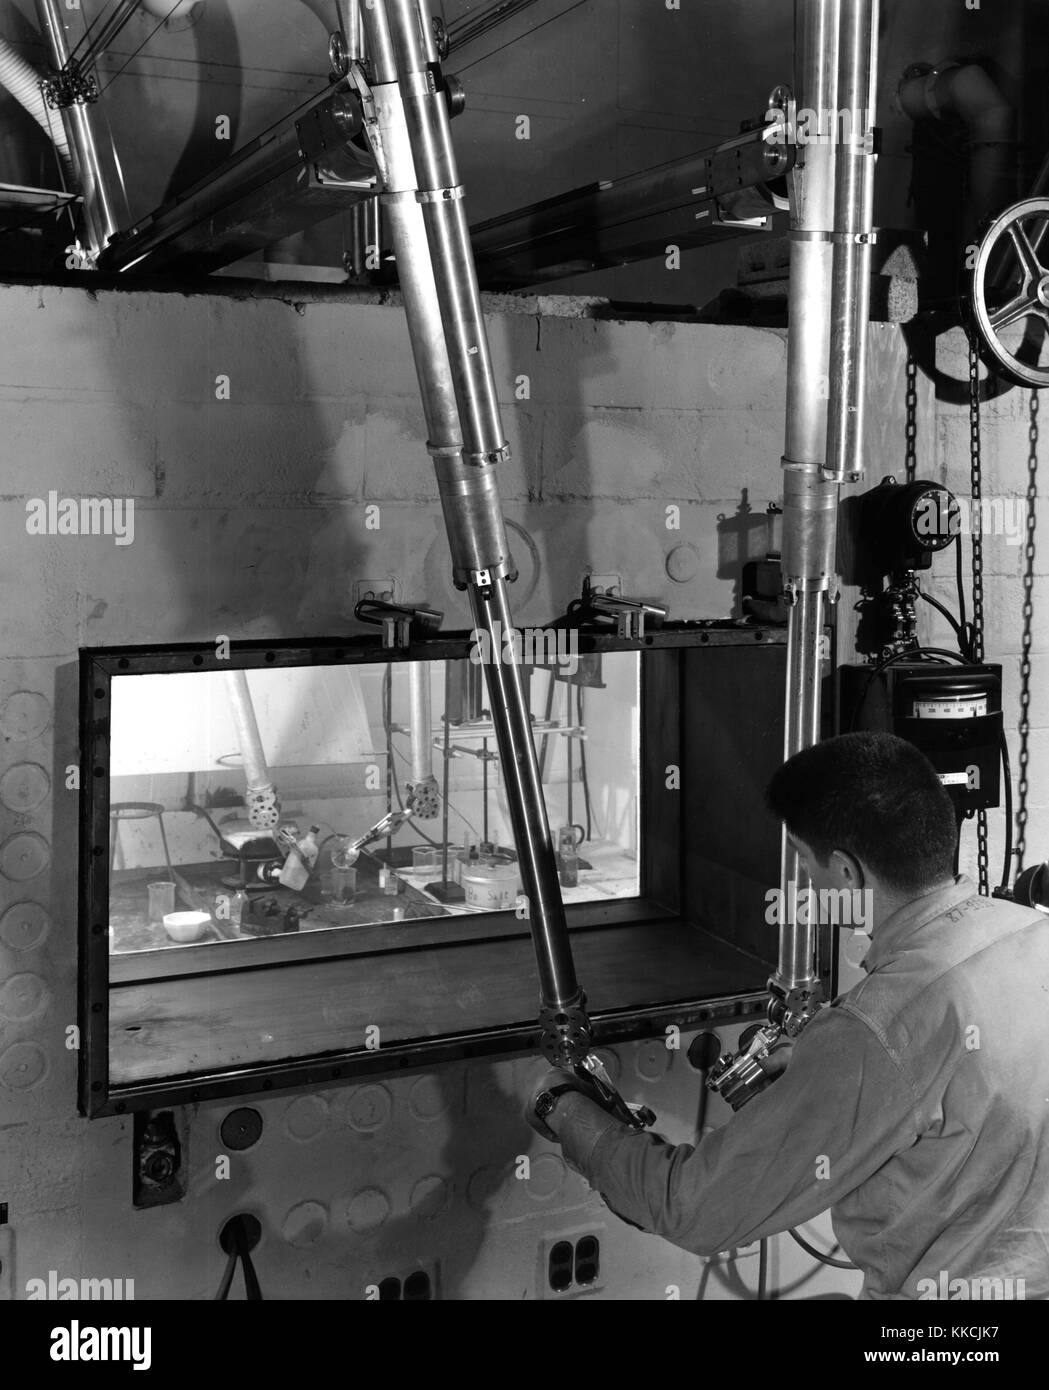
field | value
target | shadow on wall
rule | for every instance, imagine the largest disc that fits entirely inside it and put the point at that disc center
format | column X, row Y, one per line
column 741, row 538
column 215, row 43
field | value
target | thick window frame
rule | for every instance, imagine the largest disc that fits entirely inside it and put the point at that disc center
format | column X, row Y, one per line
column 662, row 906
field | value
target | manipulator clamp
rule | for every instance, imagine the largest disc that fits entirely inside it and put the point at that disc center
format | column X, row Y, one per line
column 738, row 1077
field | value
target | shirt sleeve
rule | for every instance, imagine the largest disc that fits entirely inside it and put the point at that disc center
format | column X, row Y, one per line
column 839, row 1112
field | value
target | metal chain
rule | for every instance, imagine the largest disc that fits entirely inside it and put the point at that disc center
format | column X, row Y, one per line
column 976, row 516
column 976, row 488
column 1026, row 638
column 910, row 453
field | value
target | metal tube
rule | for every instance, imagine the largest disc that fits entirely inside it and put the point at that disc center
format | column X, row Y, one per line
column 97, row 169
column 349, row 12
column 256, row 771
column 853, row 214
column 808, row 499
column 423, row 205
column 826, row 376
column 260, row 795
column 419, row 719
column 513, row 732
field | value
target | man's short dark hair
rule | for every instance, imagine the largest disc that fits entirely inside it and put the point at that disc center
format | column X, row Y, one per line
column 876, row 797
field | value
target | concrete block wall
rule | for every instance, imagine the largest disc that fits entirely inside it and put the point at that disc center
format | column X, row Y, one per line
column 249, row 520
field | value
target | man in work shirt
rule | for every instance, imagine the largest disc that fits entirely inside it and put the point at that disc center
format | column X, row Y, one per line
column 916, row 1106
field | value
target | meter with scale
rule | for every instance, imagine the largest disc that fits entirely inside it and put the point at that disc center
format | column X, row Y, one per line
column 958, row 699
column 952, row 713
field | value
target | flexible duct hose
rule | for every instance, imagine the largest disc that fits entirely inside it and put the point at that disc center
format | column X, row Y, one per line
column 22, row 81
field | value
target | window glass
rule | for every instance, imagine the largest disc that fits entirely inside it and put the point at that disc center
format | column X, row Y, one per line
column 301, row 798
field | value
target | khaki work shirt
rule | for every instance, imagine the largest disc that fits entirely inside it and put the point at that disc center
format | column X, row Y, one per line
column 915, row 1107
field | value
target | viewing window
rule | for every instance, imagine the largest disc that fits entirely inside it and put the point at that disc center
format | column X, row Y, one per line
column 298, row 863
column 405, row 748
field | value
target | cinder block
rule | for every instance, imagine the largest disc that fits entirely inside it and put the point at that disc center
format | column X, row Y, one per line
column 236, row 451
column 1004, row 452
column 363, row 350
column 659, row 366
column 627, row 455
column 78, row 444
column 48, row 571
column 739, row 451
column 183, row 343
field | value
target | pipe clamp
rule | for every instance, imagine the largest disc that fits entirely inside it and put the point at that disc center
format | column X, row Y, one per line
column 440, row 195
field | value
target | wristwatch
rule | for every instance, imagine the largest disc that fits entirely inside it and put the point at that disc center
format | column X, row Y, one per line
column 546, row 1101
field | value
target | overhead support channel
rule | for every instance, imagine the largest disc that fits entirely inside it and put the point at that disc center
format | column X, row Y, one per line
column 705, row 197
column 302, row 170
column 831, row 233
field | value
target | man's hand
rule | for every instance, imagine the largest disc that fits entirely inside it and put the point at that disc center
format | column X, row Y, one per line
column 554, row 1077
column 778, row 1059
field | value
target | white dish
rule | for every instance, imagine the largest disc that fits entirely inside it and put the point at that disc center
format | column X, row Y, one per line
column 186, row 926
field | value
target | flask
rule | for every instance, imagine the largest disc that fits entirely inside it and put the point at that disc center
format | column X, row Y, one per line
column 569, row 874
column 300, row 861
column 238, row 907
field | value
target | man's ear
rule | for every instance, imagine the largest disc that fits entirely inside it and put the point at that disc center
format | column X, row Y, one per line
column 848, row 869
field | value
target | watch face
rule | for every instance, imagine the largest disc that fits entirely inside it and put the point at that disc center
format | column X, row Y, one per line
column 544, row 1103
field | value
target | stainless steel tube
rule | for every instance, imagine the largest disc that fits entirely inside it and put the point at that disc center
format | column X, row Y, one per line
column 853, row 218
column 97, row 169
column 808, row 499
column 826, row 377
column 423, row 205
column 420, row 721
column 261, row 796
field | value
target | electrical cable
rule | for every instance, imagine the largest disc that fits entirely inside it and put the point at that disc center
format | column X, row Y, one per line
column 1007, row 781
column 527, row 34
column 85, row 37
column 238, row 1238
column 226, row 1281
column 818, row 1255
column 472, row 26
column 959, row 631
column 763, row 1269
column 108, row 32
column 959, row 574
column 159, row 25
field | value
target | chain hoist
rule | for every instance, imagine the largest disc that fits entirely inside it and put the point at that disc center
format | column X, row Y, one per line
column 1027, row 635
column 976, row 514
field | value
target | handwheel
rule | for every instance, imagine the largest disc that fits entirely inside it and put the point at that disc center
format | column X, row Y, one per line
column 1010, row 292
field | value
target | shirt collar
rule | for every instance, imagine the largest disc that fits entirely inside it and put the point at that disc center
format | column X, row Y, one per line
column 908, row 919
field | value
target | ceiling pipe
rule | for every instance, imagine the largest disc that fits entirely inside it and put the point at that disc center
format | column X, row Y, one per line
column 970, row 93
column 23, row 82
column 830, row 235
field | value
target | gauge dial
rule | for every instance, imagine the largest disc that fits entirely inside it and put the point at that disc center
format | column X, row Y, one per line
column 960, row 707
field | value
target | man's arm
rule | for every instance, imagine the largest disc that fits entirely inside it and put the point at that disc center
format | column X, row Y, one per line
column 839, row 1112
